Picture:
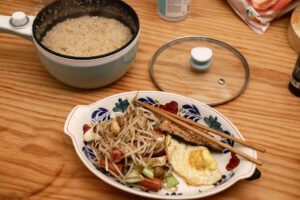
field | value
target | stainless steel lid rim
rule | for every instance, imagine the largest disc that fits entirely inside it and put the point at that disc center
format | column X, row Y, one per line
column 206, row 39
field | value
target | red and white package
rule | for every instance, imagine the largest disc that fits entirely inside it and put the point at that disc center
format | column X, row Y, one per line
column 259, row 13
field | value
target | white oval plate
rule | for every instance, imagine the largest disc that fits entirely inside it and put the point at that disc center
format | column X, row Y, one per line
column 187, row 107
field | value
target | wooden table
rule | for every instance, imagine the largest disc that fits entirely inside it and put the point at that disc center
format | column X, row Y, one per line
column 38, row 161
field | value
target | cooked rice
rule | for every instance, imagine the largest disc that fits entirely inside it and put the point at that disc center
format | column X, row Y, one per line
column 87, row 36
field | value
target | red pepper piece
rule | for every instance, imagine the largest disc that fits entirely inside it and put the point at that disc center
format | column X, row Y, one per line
column 111, row 166
column 151, row 184
column 116, row 156
column 233, row 162
column 85, row 128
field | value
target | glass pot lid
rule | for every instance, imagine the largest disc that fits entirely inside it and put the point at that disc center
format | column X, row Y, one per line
column 201, row 68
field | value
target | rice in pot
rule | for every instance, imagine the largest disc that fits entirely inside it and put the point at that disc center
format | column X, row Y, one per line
column 87, row 36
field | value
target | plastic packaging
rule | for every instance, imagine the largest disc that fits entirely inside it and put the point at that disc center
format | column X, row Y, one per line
column 259, row 13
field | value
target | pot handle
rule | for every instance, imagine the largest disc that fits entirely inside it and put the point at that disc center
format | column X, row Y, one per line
column 18, row 24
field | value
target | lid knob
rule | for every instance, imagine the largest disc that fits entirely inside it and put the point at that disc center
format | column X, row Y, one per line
column 201, row 58
column 19, row 19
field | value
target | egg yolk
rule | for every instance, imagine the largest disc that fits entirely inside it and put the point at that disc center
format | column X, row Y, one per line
column 196, row 160
column 210, row 162
column 202, row 159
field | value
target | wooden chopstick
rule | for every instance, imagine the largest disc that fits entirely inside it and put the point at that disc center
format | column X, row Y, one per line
column 168, row 116
column 251, row 145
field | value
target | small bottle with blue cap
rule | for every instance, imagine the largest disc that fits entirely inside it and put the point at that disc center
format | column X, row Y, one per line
column 201, row 58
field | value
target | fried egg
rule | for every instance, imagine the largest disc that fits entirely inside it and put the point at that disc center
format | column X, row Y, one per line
column 194, row 164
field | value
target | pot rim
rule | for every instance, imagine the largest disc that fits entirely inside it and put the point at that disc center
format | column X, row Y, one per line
column 129, row 43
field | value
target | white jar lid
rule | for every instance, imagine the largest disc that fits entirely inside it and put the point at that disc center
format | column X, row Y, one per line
column 201, row 54
column 19, row 19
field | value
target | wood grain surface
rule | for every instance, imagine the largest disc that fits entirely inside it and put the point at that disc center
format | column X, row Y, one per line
column 38, row 161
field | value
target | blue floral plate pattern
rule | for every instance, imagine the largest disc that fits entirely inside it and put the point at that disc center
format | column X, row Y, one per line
column 186, row 107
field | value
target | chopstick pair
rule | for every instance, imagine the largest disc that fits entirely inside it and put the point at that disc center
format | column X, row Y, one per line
column 180, row 121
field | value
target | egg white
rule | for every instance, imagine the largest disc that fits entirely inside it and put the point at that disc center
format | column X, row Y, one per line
column 179, row 156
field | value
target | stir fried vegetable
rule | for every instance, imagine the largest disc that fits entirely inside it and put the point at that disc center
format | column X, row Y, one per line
column 131, row 148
